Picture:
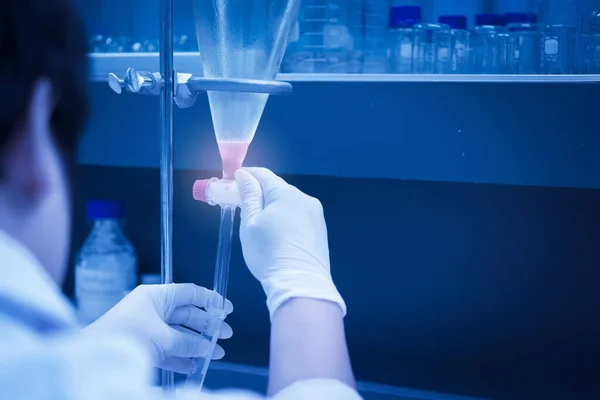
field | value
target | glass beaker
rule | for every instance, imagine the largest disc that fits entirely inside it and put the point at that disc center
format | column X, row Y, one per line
column 431, row 49
column 402, row 20
column 592, row 54
column 560, row 24
column 489, row 47
column 376, row 25
column 558, row 49
column 355, row 22
column 526, row 38
column 325, row 44
column 506, row 48
column 460, row 45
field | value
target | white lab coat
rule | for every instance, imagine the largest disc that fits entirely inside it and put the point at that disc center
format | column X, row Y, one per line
column 44, row 355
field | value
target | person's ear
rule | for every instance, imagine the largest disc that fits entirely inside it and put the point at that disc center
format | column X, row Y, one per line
column 28, row 155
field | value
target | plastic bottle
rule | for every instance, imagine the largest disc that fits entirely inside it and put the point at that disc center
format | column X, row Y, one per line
column 402, row 20
column 460, row 43
column 106, row 266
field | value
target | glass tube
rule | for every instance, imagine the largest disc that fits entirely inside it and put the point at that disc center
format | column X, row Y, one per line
column 216, row 309
column 223, row 256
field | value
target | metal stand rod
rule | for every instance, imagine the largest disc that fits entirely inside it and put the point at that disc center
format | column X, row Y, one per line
column 166, row 159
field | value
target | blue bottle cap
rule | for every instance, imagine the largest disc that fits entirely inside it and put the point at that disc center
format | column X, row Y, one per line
column 405, row 16
column 490, row 19
column 454, row 21
column 104, row 209
column 520, row 18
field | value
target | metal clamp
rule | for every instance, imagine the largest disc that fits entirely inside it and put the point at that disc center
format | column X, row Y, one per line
column 136, row 82
column 188, row 86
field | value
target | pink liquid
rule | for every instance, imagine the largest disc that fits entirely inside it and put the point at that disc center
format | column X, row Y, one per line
column 232, row 154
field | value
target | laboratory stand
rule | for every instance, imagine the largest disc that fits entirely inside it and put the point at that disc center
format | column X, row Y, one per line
column 238, row 73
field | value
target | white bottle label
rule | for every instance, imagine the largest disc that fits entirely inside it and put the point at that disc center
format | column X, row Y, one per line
column 443, row 53
column 551, row 46
column 406, row 50
column 98, row 290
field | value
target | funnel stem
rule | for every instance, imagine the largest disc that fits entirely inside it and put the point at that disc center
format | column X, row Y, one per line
column 166, row 159
column 216, row 311
column 224, row 251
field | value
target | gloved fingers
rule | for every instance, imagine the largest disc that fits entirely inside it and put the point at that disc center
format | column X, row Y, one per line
column 185, row 343
column 181, row 365
column 198, row 320
column 185, row 294
column 225, row 332
column 218, row 353
column 186, row 366
column 270, row 183
column 251, row 195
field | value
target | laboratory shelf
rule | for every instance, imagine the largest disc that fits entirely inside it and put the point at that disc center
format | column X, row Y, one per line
column 378, row 126
column 101, row 64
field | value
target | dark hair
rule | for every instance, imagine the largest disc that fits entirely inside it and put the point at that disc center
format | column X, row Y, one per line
column 43, row 39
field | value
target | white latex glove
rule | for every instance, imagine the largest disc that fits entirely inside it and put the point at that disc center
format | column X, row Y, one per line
column 155, row 316
column 284, row 239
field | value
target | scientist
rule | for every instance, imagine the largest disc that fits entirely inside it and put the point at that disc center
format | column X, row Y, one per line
column 43, row 353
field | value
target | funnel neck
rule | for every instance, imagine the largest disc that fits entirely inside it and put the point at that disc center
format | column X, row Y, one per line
column 232, row 156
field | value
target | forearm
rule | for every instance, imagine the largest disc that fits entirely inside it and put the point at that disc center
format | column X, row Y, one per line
column 308, row 342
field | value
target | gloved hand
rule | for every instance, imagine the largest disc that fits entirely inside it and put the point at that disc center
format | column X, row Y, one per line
column 155, row 316
column 284, row 239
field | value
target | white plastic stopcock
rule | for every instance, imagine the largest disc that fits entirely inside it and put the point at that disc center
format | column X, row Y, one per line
column 222, row 192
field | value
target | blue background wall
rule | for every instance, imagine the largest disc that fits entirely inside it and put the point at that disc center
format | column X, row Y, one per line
column 477, row 289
